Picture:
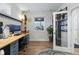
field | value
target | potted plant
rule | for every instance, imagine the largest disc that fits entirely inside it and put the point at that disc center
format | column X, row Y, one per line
column 50, row 33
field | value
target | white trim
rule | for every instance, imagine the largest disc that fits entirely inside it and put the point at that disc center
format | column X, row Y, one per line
column 39, row 40
column 60, row 12
column 65, row 49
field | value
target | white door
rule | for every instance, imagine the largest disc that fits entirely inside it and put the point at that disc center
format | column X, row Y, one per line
column 61, row 40
column 75, row 27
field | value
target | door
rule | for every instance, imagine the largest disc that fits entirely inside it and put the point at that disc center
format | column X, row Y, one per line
column 75, row 28
column 61, row 39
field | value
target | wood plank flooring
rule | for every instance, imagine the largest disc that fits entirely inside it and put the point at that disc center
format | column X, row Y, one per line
column 76, row 51
column 34, row 47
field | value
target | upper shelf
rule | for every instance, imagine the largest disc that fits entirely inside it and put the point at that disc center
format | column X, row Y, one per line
column 10, row 17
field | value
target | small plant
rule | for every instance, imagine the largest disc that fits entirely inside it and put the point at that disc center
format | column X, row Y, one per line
column 50, row 29
column 50, row 33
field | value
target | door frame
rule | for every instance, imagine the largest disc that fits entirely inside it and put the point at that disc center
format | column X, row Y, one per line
column 65, row 49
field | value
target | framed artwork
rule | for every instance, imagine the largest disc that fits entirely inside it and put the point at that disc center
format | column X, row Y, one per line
column 39, row 23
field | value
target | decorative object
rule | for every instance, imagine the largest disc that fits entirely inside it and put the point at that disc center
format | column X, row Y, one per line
column 6, row 32
column 50, row 33
column 24, row 24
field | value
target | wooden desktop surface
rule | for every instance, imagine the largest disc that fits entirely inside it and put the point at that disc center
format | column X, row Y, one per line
column 9, row 40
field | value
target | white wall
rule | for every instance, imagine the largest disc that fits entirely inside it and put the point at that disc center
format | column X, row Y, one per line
column 37, row 35
column 15, row 11
column 5, row 8
column 8, row 10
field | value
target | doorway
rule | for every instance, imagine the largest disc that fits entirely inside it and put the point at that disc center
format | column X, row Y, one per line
column 61, row 32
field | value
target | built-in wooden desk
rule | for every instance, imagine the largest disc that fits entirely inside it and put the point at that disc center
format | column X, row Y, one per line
column 9, row 40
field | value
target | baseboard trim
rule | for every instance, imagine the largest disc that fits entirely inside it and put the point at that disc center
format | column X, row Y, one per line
column 39, row 39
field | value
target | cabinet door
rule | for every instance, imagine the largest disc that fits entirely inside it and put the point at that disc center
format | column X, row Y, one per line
column 27, row 38
column 6, row 50
column 14, row 48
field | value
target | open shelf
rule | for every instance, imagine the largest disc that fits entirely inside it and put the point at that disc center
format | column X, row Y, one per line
column 10, row 17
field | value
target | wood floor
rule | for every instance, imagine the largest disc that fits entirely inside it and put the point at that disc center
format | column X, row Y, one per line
column 34, row 47
column 76, row 51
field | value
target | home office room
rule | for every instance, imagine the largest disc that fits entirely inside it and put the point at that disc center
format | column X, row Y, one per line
column 42, row 29
column 50, row 29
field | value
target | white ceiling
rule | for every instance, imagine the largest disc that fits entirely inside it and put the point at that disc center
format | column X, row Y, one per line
column 39, row 6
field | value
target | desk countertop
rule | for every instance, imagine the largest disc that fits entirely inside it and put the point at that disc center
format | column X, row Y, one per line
column 9, row 40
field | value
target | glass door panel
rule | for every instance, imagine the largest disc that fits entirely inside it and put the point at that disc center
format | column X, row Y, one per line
column 61, row 29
